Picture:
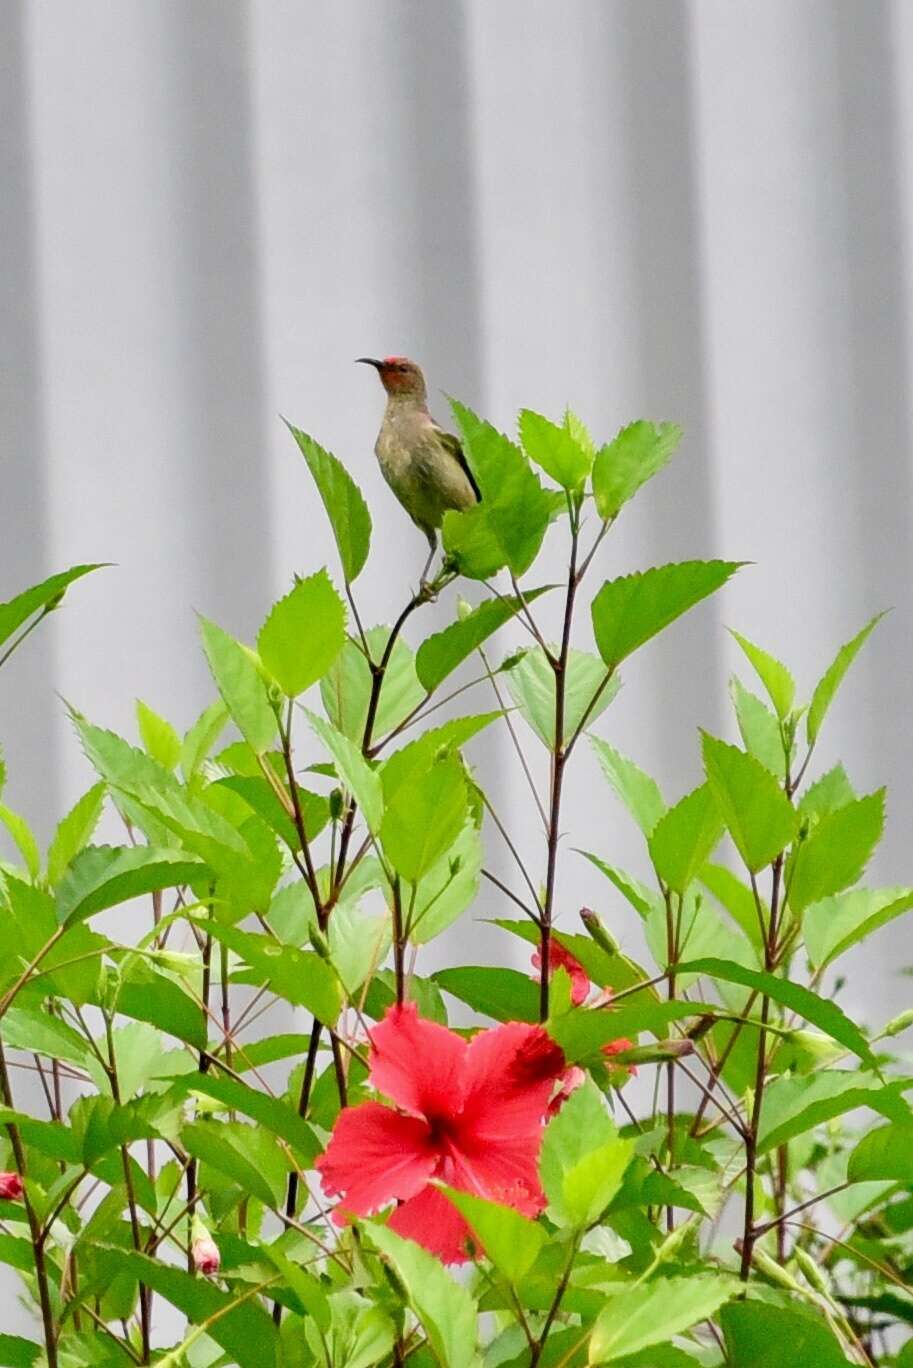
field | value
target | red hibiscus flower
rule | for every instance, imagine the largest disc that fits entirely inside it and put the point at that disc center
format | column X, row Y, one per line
column 469, row 1113
column 559, row 958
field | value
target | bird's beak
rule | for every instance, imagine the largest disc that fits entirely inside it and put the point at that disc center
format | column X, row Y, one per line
column 368, row 361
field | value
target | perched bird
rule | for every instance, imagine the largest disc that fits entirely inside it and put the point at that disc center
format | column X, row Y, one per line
column 423, row 465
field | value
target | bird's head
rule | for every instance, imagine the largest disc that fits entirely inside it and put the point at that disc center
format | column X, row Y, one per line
column 398, row 375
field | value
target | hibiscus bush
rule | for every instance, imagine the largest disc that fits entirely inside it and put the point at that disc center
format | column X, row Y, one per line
column 247, row 1120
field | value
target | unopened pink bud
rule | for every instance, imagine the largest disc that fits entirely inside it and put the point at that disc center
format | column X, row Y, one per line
column 206, row 1258
column 10, row 1186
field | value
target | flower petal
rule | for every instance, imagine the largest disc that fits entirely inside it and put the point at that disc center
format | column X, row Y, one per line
column 432, row 1221
column 560, row 958
column 417, row 1063
column 510, row 1074
column 374, row 1156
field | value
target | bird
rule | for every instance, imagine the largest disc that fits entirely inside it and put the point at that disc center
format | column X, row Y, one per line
column 424, row 466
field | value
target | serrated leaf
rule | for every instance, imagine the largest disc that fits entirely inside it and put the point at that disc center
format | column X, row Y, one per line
column 448, row 889
column 201, row 737
column 23, row 838
column 248, row 1155
column 833, row 677
column 241, row 686
column 625, row 464
column 531, row 683
column 629, row 611
column 343, row 501
column 653, row 1312
column 501, row 993
column 424, row 817
column 582, row 1127
column 685, row 837
column 446, row 1310
column 556, row 449
column 515, row 509
column 346, row 689
column 773, row 674
column 16, row 611
column 271, row 1112
column 759, row 1335
column 17, row 1352
column 441, row 653
column 302, row 978
column 303, row 634
column 836, row 851
column 103, row 876
column 639, row 793
column 758, row 728
column 736, row 897
column 821, row 1012
column 832, row 791
column 833, row 925
column 158, row 736
column 796, row 1104
column 885, row 1154
column 510, row 1240
column 74, row 832
column 760, row 818
column 243, row 1328
column 354, row 772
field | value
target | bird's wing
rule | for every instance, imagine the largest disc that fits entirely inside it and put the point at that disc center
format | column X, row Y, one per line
column 455, row 448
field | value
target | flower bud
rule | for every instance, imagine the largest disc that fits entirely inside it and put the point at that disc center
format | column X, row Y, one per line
column 598, row 932
column 319, row 941
column 204, row 1251
column 337, row 804
column 10, row 1186
column 898, row 1024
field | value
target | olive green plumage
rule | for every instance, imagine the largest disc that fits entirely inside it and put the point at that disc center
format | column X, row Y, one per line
column 423, row 465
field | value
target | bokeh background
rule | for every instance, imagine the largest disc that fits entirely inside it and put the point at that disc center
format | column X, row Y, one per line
column 644, row 208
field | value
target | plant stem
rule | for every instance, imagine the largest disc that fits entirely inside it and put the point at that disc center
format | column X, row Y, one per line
column 559, row 757
column 41, row 1268
column 145, row 1300
column 560, row 1290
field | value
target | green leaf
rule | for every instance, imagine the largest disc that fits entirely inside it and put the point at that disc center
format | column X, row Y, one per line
column 833, row 925
column 158, row 736
column 759, row 729
column 103, row 876
column 45, row 1035
column 629, row 611
column 74, row 831
column 448, row 888
column 836, row 851
column 354, row 772
column 343, row 501
column 555, row 449
column 243, row 1328
column 760, row 818
column 303, row 634
column 346, row 690
column 446, row 1310
column 511, row 1241
column 639, row 793
column 440, row 654
column 582, row 1032
column 23, row 838
column 638, row 452
column 471, row 542
column 500, row 993
column 885, row 1154
column 302, row 978
column 833, row 677
column 685, row 837
column 16, row 1352
column 277, row 1116
column 515, row 509
column 761, row 1335
column 18, row 610
column 531, row 682
column 821, row 1012
column 248, row 1155
column 201, row 737
column 581, row 1128
column 776, row 678
column 737, row 899
column 149, row 996
column 832, row 791
column 241, row 686
column 424, row 818
column 795, row 1104
column 653, row 1312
